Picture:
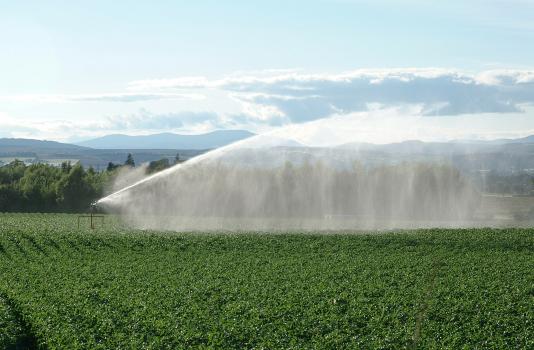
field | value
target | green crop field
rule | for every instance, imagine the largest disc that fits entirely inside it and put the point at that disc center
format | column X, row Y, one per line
column 64, row 288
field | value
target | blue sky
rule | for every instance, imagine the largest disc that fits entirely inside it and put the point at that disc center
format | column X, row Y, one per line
column 72, row 70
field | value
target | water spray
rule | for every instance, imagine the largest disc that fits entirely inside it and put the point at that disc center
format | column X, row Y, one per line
column 296, row 178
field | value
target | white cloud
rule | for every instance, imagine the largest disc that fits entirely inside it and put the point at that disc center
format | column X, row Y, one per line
column 505, row 76
column 141, row 122
column 299, row 97
column 183, row 83
column 106, row 97
column 266, row 99
column 145, row 120
column 291, row 78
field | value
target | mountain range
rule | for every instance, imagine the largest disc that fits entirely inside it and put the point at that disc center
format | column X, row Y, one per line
column 210, row 140
column 503, row 156
column 115, row 148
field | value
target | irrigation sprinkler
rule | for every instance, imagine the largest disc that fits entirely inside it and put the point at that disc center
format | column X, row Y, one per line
column 92, row 217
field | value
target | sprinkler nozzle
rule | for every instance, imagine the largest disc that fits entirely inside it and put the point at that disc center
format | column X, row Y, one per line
column 94, row 206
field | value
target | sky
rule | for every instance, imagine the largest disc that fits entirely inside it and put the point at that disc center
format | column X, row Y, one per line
column 73, row 70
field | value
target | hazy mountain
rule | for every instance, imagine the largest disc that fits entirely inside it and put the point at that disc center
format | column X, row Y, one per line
column 527, row 139
column 168, row 140
column 31, row 145
column 51, row 152
column 504, row 156
column 453, row 147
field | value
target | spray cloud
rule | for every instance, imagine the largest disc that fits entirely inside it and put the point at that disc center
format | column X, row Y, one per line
column 358, row 171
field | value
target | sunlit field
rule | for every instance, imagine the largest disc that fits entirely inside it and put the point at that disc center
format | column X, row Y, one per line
column 115, row 287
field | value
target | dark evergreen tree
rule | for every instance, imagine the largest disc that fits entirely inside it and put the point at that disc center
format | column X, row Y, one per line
column 112, row 166
column 66, row 167
column 158, row 165
column 129, row 160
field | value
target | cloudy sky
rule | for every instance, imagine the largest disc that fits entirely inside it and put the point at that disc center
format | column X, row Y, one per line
column 72, row 70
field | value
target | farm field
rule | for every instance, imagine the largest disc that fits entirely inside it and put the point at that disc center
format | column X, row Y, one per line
column 116, row 287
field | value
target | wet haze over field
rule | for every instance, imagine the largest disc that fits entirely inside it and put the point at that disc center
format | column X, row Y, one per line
column 362, row 171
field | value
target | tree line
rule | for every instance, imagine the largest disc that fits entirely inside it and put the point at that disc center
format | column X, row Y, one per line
column 68, row 188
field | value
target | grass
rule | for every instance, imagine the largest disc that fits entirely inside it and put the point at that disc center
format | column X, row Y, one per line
column 63, row 288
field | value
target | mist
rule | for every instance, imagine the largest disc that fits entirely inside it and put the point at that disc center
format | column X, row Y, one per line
column 127, row 176
column 352, row 173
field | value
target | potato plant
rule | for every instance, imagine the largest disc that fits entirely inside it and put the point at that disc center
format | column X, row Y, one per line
column 116, row 287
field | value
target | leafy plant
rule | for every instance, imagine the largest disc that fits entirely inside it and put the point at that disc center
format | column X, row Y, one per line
column 122, row 288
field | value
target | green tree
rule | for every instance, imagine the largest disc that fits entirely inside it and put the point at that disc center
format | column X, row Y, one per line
column 66, row 167
column 45, row 188
column 158, row 165
column 129, row 160
column 10, row 198
column 12, row 172
column 74, row 193
column 112, row 166
column 37, row 187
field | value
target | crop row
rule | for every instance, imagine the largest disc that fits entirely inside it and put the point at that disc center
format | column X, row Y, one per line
column 122, row 288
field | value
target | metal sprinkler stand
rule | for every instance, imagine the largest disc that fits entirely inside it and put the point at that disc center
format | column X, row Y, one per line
column 92, row 217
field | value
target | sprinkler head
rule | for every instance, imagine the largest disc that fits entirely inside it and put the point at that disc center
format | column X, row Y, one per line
column 94, row 206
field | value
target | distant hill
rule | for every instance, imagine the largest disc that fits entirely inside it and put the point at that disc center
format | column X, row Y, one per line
column 502, row 156
column 528, row 139
column 51, row 152
column 168, row 140
column 31, row 145
column 453, row 147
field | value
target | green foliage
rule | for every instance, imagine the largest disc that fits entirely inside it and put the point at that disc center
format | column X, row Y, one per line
column 12, row 172
column 129, row 160
column 9, row 327
column 44, row 188
column 10, row 198
column 66, row 167
column 14, row 333
column 39, row 185
column 158, row 165
column 112, row 166
column 74, row 191
column 122, row 288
